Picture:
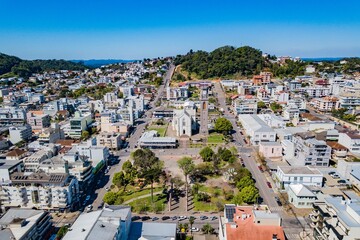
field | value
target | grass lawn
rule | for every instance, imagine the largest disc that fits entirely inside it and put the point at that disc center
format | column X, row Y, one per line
column 215, row 138
column 161, row 129
column 145, row 204
column 217, row 200
column 138, row 193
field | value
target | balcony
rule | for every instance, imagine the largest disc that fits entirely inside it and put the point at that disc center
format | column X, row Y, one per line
column 315, row 212
column 314, row 218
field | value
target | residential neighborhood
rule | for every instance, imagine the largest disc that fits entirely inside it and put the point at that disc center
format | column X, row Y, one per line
column 127, row 151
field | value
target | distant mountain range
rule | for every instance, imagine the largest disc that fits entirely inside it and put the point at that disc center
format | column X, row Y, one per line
column 101, row 62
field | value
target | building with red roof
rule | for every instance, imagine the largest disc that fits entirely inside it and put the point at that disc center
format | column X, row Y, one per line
column 249, row 223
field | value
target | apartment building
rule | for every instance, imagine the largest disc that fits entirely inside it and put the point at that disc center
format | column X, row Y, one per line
column 78, row 124
column 38, row 120
column 351, row 141
column 110, row 140
column 245, row 105
column 336, row 218
column 309, row 151
column 177, row 93
column 50, row 135
column 21, row 133
column 350, row 102
column 286, row 175
column 291, row 112
column 23, row 224
column 12, row 115
column 41, row 190
column 300, row 196
column 316, row 92
column 325, row 104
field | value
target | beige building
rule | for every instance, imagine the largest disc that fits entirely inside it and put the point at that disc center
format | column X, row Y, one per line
column 110, row 140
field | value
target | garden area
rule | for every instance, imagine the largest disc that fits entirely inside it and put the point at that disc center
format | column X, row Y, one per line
column 160, row 126
column 216, row 138
column 140, row 182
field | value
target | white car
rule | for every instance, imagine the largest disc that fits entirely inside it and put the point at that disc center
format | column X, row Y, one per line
column 107, row 189
column 182, row 218
column 195, row 229
column 89, row 208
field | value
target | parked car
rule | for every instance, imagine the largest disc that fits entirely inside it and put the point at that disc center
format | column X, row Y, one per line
column 203, row 217
column 269, row 184
column 155, row 218
column 145, row 218
column 174, row 218
column 165, row 218
column 182, row 218
column 341, row 181
column 101, row 205
column 135, row 218
column 107, row 189
column 195, row 229
column 278, row 201
column 335, row 176
column 213, row 218
column 89, row 208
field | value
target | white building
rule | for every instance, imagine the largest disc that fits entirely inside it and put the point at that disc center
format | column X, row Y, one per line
column 310, row 151
column 78, row 124
column 351, row 142
column 337, row 218
column 20, row 223
column 184, row 122
column 291, row 112
column 150, row 139
column 301, row 196
column 287, row 175
column 110, row 223
column 41, row 190
column 245, row 105
column 18, row 134
column 112, row 141
column 271, row 150
column 177, row 93
column 256, row 129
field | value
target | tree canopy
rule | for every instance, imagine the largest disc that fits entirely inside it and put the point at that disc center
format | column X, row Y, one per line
column 223, row 125
column 207, row 154
column 25, row 68
column 223, row 61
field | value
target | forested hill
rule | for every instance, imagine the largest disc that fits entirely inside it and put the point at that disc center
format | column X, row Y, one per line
column 14, row 66
column 223, row 62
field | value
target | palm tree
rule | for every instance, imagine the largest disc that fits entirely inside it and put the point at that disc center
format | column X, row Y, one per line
column 207, row 229
column 191, row 222
column 186, row 164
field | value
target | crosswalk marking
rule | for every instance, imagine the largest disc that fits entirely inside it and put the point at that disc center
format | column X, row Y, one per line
column 276, row 209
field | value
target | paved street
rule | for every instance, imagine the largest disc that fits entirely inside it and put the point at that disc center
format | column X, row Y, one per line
column 290, row 224
column 105, row 181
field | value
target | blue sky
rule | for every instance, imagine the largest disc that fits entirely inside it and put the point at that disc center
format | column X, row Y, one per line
column 79, row 29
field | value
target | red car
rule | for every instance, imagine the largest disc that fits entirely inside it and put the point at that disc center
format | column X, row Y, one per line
column 269, row 184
